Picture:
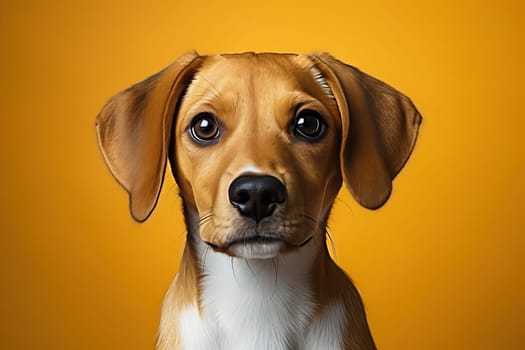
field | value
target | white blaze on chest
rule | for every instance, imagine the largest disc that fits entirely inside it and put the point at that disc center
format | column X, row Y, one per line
column 257, row 305
column 327, row 330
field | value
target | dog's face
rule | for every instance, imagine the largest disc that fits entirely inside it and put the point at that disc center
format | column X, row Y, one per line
column 259, row 144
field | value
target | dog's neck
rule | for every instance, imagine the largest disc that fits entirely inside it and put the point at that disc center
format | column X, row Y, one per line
column 255, row 304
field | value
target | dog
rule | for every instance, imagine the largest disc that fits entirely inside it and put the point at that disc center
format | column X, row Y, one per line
column 259, row 145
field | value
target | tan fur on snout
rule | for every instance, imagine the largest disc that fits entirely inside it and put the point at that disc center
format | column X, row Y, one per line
column 292, row 295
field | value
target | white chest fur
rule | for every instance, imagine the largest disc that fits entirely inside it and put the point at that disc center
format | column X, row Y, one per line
column 259, row 305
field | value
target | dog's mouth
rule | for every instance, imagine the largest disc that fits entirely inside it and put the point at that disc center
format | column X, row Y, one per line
column 258, row 246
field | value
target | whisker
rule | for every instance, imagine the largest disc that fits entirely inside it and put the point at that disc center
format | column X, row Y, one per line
column 249, row 267
column 346, row 205
column 233, row 272
column 275, row 262
column 205, row 219
column 204, row 258
column 327, row 230
column 318, row 222
column 208, row 215
column 331, row 238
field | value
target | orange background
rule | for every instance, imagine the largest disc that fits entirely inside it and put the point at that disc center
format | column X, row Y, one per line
column 439, row 267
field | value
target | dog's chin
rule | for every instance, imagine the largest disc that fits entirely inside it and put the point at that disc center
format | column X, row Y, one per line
column 265, row 249
column 261, row 242
column 259, row 247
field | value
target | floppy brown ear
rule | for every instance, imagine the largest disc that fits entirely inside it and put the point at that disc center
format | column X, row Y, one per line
column 134, row 129
column 380, row 127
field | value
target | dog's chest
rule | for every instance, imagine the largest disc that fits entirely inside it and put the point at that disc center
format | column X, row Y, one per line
column 255, row 305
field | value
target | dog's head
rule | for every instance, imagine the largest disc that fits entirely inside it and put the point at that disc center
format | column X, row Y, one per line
column 258, row 143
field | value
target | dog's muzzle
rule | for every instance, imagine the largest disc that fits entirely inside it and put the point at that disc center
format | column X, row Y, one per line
column 256, row 197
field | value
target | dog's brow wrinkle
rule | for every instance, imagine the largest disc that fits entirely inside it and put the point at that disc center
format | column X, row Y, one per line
column 321, row 80
column 206, row 80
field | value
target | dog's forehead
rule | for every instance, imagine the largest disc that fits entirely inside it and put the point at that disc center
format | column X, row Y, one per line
column 257, row 69
column 258, row 62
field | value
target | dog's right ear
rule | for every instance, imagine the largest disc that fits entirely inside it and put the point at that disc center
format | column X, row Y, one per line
column 134, row 129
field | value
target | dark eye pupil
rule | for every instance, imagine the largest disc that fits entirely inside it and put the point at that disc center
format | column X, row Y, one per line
column 309, row 125
column 204, row 127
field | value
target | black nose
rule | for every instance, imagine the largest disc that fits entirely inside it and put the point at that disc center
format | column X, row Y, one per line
column 256, row 196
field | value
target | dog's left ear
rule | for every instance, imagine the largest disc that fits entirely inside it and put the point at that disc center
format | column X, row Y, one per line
column 134, row 129
column 380, row 127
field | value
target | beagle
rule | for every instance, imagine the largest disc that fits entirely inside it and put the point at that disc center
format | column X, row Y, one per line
column 259, row 145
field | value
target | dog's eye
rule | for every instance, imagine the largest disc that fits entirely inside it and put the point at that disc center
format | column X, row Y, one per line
column 204, row 128
column 309, row 125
